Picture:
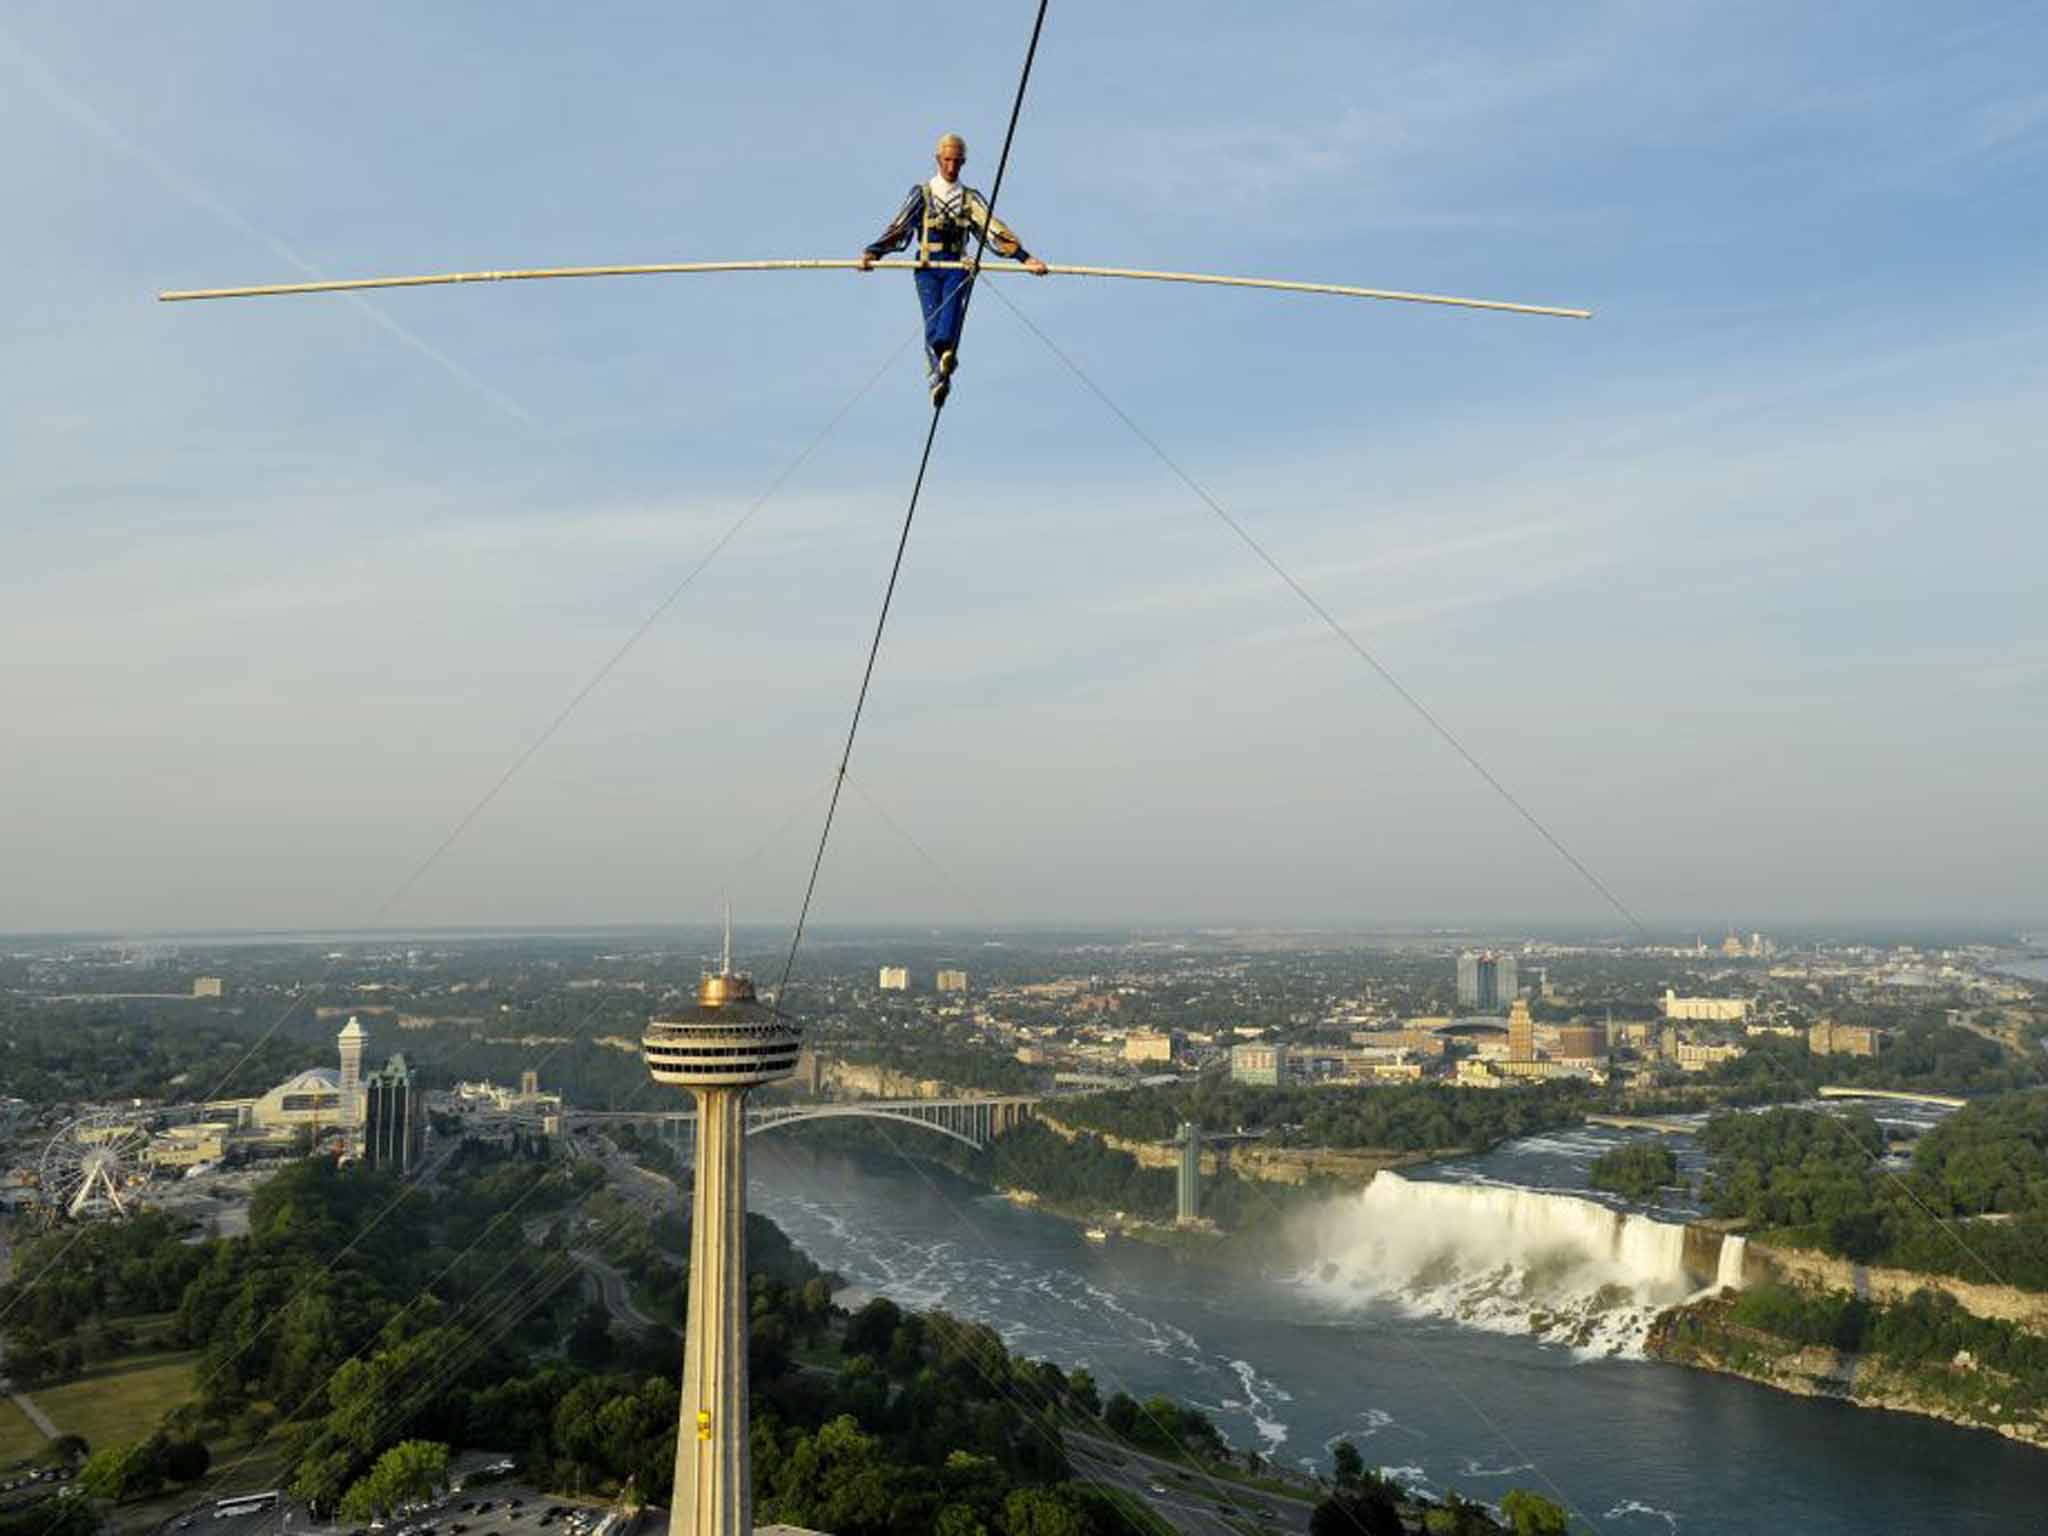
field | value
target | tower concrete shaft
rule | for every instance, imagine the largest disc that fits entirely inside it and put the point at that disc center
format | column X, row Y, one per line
column 714, row 1494
column 725, row 1045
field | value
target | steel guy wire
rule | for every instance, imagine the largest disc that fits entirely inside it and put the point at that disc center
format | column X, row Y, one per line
column 1115, row 1378
column 1035, row 1402
column 1330, row 620
column 526, row 755
column 476, row 1302
column 962, row 1220
column 936, row 867
column 408, row 1189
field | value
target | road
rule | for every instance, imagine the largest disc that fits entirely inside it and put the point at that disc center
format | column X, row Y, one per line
column 651, row 1193
column 612, row 1290
column 36, row 1416
column 1189, row 1498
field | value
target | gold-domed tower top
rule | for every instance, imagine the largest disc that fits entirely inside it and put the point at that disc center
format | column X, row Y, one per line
column 730, row 1039
column 716, row 989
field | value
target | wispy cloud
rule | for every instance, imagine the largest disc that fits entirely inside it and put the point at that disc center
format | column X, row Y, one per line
column 2000, row 123
column 46, row 84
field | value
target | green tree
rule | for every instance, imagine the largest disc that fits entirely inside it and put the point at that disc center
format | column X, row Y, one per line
column 590, row 1341
column 1458, row 1517
column 186, row 1461
column 872, row 1329
column 1041, row 1512
column 122, row 1472
column 1347, row 1463
column 411, row 1470
column 1637, row 1169
column 60, row 1517
column 1530, row 1514
column 836, row 1480
column 1368, row 1509
column 1121, row 1413
column 1082, row 1393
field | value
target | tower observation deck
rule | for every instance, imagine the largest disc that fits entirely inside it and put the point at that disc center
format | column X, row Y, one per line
column 726, row 1044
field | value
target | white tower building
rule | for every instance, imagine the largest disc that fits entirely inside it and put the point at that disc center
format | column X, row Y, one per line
column 353, row 1038
column 728, row 1043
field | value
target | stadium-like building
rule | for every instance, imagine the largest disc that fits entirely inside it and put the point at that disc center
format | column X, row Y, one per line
column 321, row 1098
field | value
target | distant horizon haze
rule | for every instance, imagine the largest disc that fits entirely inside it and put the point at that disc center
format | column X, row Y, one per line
column 2016, row 935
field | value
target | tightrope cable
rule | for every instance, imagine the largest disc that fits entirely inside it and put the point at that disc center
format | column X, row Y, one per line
column 867, row 676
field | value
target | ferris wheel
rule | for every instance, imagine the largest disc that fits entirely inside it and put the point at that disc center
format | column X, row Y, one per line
column 88, row 1165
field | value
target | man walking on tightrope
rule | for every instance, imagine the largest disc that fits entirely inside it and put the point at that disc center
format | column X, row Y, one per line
column 943, row 215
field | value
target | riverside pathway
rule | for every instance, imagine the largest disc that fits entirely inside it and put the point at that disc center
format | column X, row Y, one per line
column 36, row 1416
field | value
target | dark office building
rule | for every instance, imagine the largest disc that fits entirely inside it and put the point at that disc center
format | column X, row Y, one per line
column 391, row 1117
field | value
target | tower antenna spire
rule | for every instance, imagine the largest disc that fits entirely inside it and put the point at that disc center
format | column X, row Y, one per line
column 726, row 965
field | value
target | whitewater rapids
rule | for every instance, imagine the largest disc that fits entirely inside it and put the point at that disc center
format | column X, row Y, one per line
column 1506, row 1260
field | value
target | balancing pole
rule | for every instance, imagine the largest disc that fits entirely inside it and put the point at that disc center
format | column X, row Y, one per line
column 659, row 269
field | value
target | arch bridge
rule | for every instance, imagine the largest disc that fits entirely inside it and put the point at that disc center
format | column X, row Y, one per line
column 972, row 1122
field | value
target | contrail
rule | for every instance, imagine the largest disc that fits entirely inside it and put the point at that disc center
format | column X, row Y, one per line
column 46, row 84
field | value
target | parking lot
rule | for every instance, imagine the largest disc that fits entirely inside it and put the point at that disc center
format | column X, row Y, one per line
column 493, row 1509
column 500, row 1509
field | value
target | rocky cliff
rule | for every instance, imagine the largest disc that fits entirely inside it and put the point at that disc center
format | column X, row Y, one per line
column 1960, row 1391
column 1823, row 1271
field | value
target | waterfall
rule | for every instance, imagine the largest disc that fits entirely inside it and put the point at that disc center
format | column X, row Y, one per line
column 1728, row 1268
column 1505, row 1259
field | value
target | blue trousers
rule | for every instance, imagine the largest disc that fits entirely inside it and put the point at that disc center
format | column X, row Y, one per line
column 943, row 293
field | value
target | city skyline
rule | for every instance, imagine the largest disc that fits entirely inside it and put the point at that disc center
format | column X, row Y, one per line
column 1733, row 586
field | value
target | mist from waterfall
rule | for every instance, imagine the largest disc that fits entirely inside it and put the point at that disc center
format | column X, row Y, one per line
column 1505, row 1259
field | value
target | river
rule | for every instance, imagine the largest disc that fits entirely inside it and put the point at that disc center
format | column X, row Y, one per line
column 1289, row 1364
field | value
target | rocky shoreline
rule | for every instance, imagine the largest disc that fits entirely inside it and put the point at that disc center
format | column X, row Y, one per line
column 1703, row 1335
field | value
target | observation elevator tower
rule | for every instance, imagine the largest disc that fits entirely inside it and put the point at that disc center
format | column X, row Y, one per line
column 728, row 1043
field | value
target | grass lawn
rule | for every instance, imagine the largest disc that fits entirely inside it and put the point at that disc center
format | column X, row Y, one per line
column 121, row 1400
column 19, row 1439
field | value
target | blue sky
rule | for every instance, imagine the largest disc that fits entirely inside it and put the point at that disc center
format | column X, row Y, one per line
column 1738, row 586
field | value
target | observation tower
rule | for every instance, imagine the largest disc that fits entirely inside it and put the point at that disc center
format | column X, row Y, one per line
column 728, row 1043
